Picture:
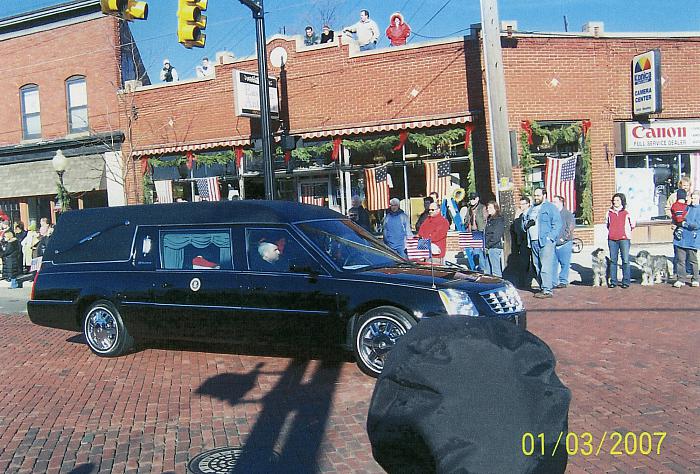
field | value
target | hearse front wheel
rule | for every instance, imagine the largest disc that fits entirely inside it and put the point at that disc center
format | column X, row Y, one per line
column 104, row 330
column 376, row 333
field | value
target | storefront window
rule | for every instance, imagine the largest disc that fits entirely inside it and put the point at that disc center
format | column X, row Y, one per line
column 648, row 180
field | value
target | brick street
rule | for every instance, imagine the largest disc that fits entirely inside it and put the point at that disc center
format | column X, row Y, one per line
column 630, row 358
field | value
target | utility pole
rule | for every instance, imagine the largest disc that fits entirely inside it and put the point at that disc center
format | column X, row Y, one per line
column 498, row 109
column 256, row 6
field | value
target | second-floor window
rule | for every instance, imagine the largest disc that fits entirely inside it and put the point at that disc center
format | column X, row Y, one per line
column 76, row 99
column 31, row 112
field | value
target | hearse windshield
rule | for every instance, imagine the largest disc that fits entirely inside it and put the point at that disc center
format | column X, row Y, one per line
column 348, row 245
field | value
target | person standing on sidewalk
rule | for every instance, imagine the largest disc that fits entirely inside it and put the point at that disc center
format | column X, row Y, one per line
column 396, row 228
column 493, row 239
column 543, row 224
column 620, row 225
column 686, row 248
column 435, row 228
column 565, row 243
column 521, row 245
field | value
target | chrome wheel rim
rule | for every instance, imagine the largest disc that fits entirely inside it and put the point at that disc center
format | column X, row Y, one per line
column 376, row 339
column 101, row 329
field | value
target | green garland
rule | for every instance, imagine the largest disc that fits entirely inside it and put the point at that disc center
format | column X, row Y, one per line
column 527, row 162
column 147, row 186
column 561, row 136
column 587, row 200
column 471, row 177
column 63, row 197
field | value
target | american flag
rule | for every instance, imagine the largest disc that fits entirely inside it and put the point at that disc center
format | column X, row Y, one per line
column 310, row 194
column 164, row 190
column 437, row 177
column 695, row 171
column 467, row 240
column 417, row 248
column 376, row 188
column 560, row 180
column 208, row 189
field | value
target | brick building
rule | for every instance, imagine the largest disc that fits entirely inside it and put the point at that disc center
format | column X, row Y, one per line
column 334, row 91
column 58, row 96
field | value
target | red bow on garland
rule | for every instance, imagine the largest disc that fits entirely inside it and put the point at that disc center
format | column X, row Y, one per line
column 336, row 148
column 144, row 164
column 403, row 136
column 191, row 158
column 469, row 128
column 527, row 126
column 585, row 126
column 287, row 156
column 239, row 156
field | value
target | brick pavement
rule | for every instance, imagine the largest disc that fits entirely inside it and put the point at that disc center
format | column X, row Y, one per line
column 629, row 356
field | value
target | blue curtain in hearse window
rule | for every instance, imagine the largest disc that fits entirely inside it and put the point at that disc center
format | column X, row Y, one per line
column 174, row 245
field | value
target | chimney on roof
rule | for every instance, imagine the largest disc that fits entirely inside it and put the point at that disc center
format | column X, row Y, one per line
column 595, row 28
column 224, row 57
column 509, row 26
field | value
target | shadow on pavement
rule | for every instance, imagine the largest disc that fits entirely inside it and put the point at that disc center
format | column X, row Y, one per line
column 289, row 429
column 87, row 468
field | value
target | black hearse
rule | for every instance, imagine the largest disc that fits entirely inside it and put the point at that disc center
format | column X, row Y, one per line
column 266, row 272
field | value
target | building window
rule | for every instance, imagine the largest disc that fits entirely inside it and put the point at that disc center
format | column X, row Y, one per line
column 76, row 100
column 31, row 112
column 648, row 179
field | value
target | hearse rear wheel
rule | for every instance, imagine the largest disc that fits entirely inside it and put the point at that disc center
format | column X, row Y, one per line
column 104, row 330
column 376, row 333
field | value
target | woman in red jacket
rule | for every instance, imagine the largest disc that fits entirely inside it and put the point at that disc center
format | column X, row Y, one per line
column 435, row 228
column 620, row 225
column 398, row 30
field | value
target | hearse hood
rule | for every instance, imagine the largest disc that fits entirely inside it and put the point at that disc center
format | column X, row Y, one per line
column 444, row 277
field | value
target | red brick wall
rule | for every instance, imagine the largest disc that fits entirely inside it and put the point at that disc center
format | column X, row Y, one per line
column 594, row 84
column 50, row 57
column 328, row 90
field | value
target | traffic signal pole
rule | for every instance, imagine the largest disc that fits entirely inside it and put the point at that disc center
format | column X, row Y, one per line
column 256, row 6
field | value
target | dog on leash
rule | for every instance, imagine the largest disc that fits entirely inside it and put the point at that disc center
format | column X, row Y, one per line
column 599, row 265
column 655, row 268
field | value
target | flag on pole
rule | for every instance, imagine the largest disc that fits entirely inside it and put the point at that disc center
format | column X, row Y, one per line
column 467, row 240
column 310, row 194
column 208, row 189
column 560, row 180
column 376, row 188
column 417, row 248
column 437, row 177
column 164, row 190
column 694, row 172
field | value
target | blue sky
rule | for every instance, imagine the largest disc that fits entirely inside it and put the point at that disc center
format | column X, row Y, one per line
column 231, row 27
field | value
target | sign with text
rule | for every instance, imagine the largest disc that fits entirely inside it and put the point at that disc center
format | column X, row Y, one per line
column 667, row 135
column 246, row 95
column 646, row 83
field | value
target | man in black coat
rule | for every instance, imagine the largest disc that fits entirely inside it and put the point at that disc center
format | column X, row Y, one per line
column 521, row 251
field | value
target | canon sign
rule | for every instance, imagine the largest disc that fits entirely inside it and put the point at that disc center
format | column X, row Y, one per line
column 662, row 135
column 659, row 132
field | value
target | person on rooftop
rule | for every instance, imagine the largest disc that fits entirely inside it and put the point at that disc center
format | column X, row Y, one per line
column 398, row 30
column 367, row 31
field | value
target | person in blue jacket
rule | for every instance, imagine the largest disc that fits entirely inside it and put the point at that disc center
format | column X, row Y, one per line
column 396, row 228
column 543, row 225
column 687, row 246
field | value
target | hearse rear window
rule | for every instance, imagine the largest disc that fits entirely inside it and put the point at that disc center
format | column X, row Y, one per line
column 196, row 250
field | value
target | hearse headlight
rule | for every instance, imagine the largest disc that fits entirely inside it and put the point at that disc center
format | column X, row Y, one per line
column 457, row 303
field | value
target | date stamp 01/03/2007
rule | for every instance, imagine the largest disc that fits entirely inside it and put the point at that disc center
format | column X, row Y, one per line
column 613, row 443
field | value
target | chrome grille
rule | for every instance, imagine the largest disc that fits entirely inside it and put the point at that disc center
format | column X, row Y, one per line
column 503, row 300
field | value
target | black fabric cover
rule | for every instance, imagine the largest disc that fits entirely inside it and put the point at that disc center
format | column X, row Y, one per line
column 457, row 394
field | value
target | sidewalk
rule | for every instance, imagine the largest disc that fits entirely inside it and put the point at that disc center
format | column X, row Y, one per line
column 581, row 262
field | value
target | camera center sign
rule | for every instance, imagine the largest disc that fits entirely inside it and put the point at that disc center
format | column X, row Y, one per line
column 246, row 92
column 646, row 83
column 668, row 135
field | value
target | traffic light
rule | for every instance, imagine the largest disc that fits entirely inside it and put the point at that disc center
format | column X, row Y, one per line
column 191, row 22
column 126, row 9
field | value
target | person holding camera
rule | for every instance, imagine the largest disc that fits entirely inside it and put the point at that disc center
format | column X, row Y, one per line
column 168, row 73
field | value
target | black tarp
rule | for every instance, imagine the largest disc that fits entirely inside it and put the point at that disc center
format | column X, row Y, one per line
column 458, row 394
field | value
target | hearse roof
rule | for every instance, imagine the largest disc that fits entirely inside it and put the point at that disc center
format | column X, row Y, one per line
column 112, row 228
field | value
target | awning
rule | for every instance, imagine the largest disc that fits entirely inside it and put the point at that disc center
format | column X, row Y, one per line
column 386, row 126
column 374, row 127
column 38, row 178
column 182, row 148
